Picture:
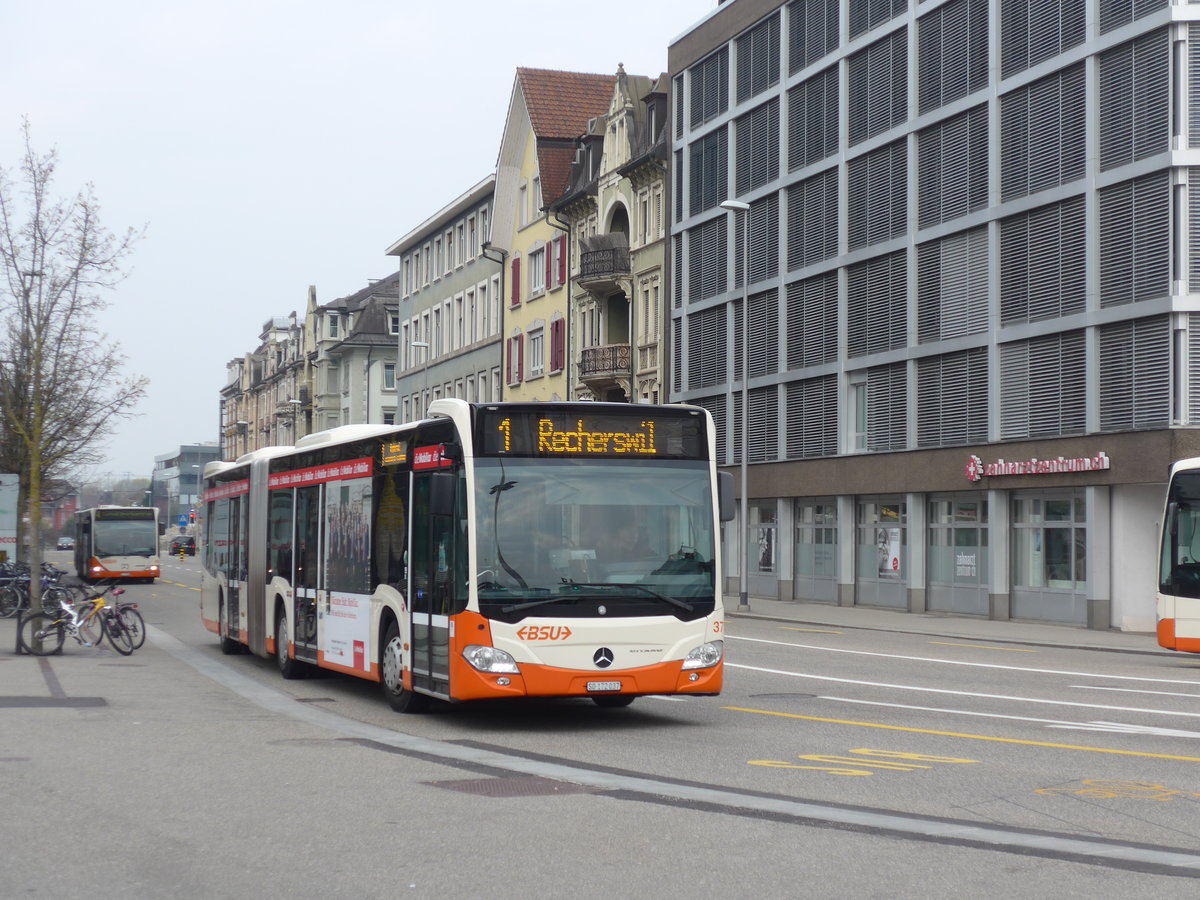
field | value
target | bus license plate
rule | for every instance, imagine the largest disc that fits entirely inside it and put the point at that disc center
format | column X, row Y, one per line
column 604, row 685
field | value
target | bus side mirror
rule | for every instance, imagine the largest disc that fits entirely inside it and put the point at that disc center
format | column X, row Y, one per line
column 726, row 502
column 441, row 493
column 1173, row 518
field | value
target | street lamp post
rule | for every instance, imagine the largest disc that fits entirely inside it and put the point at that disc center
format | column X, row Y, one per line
column 737, row 206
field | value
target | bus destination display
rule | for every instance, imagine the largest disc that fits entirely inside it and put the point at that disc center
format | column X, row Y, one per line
column 125, row 512
column 570, row 433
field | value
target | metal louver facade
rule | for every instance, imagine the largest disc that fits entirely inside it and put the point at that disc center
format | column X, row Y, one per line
column 973, row 233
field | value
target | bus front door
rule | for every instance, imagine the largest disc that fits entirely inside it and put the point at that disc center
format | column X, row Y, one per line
column 432, row 588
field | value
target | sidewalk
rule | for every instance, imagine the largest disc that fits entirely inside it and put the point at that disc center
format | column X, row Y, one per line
column 822, row 615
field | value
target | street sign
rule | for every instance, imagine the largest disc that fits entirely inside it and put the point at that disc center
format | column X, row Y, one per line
column 182, row 520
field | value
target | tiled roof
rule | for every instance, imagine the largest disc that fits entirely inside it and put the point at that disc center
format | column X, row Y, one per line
column 560, row 103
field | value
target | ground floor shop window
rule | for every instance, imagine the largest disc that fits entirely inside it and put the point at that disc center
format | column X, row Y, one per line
column 815, row 556
column 881, row 553
column 881, row 540
column 958, row 554
column 1050, row 542
column 763, row 526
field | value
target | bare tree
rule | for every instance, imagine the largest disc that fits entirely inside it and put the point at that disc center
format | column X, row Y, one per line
column 61, row 386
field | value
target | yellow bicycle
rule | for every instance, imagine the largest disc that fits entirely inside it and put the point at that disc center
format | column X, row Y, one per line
column 43, row 633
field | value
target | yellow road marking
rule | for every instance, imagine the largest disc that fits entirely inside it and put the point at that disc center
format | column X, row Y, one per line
column 983, row 647
column 810, row 630
column 969, row 737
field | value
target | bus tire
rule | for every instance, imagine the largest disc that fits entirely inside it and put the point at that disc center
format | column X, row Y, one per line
column 391, row 659
column 229, row 646
column 289, row 668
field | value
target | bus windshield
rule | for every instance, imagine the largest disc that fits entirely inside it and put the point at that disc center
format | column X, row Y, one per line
column 629, row 538
column 1180, row 573
column 125, row 538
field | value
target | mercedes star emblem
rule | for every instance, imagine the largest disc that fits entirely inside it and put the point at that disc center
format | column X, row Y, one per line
column 603, row 658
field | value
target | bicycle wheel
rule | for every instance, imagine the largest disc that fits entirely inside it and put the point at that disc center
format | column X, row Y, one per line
column 118, row 634
column 54, row 598
column 92, row 629
column 41, row 634
column 16, row 598
column 134, row 624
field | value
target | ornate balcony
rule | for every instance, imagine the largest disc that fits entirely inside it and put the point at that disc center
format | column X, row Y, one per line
column 604, row 264
column 604, row 368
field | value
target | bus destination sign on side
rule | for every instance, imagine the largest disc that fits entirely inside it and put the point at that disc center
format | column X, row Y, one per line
column 393, row 452
column 570, row 433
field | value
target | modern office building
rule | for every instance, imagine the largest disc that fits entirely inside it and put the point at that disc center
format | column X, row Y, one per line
column 973, row 293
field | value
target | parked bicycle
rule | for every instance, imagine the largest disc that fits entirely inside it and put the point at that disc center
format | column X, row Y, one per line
column 43, row 633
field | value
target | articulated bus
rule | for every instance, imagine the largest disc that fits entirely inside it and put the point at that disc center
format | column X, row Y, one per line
column 117, row 542
column 1177, row 605
column 488, row 551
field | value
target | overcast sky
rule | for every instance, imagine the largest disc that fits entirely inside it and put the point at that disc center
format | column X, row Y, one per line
column 272, row 144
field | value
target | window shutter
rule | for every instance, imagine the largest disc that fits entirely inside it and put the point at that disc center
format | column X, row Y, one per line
column 562, row 259
column 549, row 253
column 520, row 357
column 812, row 415
column 515, row 297
column 1135, row 374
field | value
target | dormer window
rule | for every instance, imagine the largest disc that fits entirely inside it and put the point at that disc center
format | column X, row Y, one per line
column 334, row 326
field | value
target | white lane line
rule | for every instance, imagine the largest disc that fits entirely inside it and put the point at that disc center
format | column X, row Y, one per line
column 1115, row 727
column 1121, row 690
column 959, row 662
column 953, row 693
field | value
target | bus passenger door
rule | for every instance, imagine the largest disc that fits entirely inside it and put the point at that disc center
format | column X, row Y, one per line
column 306, row 579
column 433, row 589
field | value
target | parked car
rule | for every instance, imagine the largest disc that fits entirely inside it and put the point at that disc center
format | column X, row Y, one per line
column 184, row 542
column 66, row 543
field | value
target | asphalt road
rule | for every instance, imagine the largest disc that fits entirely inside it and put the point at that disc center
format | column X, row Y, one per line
column 840, row 762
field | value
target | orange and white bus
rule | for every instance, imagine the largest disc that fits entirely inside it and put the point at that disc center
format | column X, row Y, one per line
column 1177, row 605
column 117, row 542
column 489, row 551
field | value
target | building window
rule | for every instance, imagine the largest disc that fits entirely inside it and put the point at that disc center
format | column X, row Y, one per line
column 758, row 58
column 812, row 31
column 393, row 323
column 537, row 352
column 709, row 172
column 878, row 87
column 710, row 87
column 389, row 376
column 334, row 323
column 389, row 417
column 537, row 272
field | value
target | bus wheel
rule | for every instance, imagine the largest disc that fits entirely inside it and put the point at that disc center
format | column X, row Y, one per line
column 612, row 701
column 229, row 646
column 393, row 675
column 288, row 667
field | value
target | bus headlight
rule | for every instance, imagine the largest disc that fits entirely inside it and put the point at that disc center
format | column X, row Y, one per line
column 489, row 659
column 705, row 656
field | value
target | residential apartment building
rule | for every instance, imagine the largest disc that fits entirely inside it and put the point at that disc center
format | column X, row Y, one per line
column 352, row 366
column 264, row 397
column 614, row 206
column 973, row 344
column 548, row 112
column 449, row 306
